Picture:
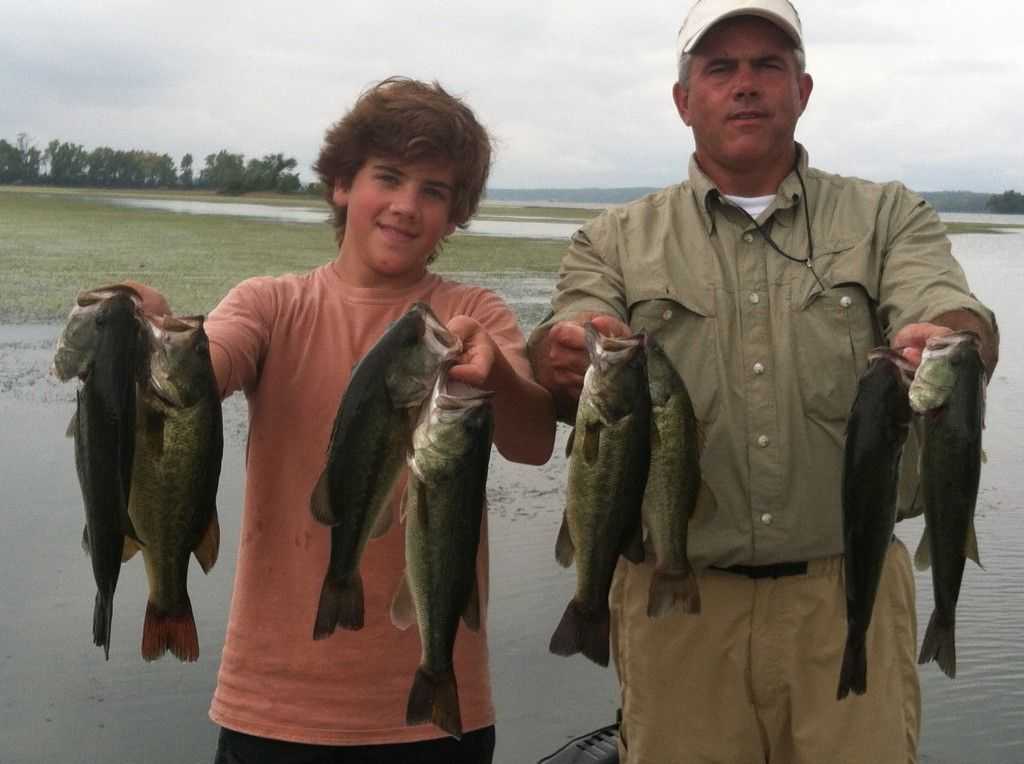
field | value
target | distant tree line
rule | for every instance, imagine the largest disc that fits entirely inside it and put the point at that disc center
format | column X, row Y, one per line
column 69, row 164
column 1006, row 203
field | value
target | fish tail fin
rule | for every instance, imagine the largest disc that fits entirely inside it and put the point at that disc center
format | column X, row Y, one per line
column 341, row 604
column 102, row 618
column 854, row 673
column 435, row 698
column 673, row 591
column 579, row 632
column 170, row 631
column 939, row 645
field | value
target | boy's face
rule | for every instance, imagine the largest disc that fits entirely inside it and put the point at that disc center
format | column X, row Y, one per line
column 397, row 213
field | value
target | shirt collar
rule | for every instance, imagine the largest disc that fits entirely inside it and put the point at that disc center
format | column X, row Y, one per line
column 786, row 198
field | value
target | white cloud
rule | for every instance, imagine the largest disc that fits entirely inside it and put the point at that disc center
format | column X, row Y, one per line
column 576, row 91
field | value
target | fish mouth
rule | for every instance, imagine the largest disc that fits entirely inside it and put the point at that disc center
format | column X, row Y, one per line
column 437, row 336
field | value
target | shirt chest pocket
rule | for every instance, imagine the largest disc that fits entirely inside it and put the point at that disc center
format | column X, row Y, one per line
column 686, row 327
column 832, row 332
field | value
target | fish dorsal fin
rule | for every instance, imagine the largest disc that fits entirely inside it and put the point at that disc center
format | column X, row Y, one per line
column 471, row 615
column 403, row 610
column 923, row 555
column 209, row 545
column 565, row 550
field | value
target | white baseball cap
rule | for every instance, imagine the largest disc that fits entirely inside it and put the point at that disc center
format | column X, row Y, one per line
column 704, row 14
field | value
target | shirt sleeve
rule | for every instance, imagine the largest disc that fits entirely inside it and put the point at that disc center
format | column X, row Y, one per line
column 920, row 277
column 590, row 278
column 239, row 333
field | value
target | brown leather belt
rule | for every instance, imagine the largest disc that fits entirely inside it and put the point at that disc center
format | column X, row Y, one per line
column 778, row 570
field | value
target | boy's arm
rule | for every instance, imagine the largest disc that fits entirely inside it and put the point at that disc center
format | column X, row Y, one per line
column 524, row 414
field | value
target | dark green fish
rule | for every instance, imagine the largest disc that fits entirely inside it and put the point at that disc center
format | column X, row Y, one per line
column 950, row 472
column 178, row 452
column 444, row 509
column 875, row 434
column 367, row 451
column 673, row 483
column 104, row 431
column 76, row 347
column 607, row 474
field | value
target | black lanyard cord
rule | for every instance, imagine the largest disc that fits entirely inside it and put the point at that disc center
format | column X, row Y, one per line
column 809, row 260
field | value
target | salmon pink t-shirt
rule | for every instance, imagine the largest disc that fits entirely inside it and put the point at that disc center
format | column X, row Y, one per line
column 290, row 344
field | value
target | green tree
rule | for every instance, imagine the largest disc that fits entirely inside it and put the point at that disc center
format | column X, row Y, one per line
column 185, row 177
column 68, row 163
column 1006, row 203
column 224, row 172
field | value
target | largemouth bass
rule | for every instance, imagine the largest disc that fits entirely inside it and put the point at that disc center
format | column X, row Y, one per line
column 609, row 454
column 875, row 434
column 950, row 472
column 104, row 431
column 76, row 346
column 367, row 451
column 444, row 509
column 673, row 483
column 178, row 452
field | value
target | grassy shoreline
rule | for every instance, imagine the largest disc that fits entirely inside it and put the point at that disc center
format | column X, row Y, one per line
column 55, row 241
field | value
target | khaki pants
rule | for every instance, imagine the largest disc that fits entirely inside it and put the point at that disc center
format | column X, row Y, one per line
column 753, row 678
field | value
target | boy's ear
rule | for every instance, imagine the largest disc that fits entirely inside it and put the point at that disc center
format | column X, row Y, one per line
column 340, row 195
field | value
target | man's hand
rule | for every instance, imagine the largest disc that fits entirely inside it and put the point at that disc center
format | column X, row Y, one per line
column 911, row 339
column 560, row 359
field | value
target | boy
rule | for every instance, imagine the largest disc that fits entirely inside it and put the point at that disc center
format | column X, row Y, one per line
column 402, row 170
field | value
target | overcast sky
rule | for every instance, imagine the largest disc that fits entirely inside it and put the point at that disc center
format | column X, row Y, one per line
column 576, row 92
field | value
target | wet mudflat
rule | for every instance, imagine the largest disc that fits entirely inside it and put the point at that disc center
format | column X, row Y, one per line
column 61, row 702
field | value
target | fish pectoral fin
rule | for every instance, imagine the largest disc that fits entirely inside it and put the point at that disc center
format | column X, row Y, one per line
column 565, row 550
column 129, row 549
column 403, row 610
column 471, row 615
column 209, row 545
column 971, row 546
column 320, row 502
column 86, row 547
column 591, row 441
column 382, row 523
column 923, row 555
column 72, row 426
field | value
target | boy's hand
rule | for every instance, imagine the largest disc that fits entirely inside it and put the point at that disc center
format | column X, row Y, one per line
column 480, row 354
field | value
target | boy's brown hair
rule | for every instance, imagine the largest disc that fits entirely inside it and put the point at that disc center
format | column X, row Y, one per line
column 410, row 121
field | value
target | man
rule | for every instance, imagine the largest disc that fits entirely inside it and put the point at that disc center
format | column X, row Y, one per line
column 767, row 282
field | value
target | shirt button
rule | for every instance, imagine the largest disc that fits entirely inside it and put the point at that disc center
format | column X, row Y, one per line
column 755, row 298
column 846, row 302
column 759, row 368
column 762, row 441
column 666, row 315
column 748, row 237
column 767, row 518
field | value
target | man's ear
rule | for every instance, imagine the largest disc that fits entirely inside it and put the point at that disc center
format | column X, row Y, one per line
column 806, row 85
column 681, row 96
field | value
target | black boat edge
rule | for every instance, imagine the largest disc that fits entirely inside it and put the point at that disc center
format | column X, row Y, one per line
column 598, row 747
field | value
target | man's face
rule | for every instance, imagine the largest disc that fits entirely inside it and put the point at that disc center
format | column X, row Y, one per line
column 744, row 96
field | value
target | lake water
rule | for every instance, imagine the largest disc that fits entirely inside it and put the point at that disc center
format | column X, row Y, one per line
column 522, row 227
column 61, row 702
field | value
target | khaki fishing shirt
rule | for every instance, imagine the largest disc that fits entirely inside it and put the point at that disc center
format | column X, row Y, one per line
column 770, row 350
